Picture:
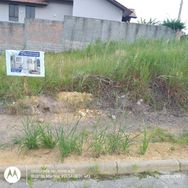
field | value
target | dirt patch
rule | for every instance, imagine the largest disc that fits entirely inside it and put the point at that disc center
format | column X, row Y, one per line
column 156, row 151
column 63, row 102
column 75, row 100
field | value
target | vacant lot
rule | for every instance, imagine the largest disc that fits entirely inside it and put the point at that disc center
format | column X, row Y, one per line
column 108, row 101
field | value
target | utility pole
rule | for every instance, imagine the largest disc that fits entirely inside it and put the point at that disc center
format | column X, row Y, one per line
column 180, row 10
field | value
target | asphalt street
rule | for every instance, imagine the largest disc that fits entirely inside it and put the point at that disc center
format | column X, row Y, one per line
column 163, row 181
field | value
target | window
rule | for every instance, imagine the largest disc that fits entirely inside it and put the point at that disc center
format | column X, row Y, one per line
column 13, row 12
column 30, row 12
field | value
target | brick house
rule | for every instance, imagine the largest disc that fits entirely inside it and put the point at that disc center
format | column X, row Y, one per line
column 18, row 10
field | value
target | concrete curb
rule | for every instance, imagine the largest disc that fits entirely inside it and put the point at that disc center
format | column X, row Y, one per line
column 183, row 165
column 111, row 168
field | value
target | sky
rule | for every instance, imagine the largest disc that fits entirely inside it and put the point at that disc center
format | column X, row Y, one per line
column 158, row 9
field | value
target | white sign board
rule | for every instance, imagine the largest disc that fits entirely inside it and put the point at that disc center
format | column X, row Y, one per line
column 25, row 63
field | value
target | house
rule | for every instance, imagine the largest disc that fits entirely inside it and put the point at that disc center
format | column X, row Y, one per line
column 18, row 10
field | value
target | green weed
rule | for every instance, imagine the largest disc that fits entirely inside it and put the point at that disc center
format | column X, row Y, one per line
column 36, row 135
column 161, row 135
column 47, row 137
column 31, row 134
column 183, row 139
column 145, row 143
column 71, row 142
column 99, row 142
column 30, row 182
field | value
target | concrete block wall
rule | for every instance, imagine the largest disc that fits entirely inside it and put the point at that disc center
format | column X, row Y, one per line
column 73, row 33
column 32, row 35
column 11, row 35
column 44, row 35
column 79, row 32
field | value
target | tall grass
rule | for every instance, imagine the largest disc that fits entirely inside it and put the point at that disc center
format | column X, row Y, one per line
column 144, row 67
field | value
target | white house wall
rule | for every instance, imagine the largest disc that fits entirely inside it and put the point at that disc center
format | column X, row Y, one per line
column 54, row 11
column 21, row 13
column 99, row 9
column 4, row 12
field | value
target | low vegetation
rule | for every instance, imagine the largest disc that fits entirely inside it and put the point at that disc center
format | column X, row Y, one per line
column 145, row 142
column 71, row 142
column 156, row 71
column 36, row 135
column 161, row 135
column 101, row 141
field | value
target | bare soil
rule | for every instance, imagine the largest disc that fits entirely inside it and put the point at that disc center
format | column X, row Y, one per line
column 67, row 108
column 156, row 151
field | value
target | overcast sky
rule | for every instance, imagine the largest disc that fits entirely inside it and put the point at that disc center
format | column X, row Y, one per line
column 158, row 9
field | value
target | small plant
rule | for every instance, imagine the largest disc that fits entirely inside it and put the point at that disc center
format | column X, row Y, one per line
column 110, row 142
column 145, row 143
column 94, row 171
column 99, row 142
column 118, row 141
column 72, row 142
column 30, row 182
column 183, row 139
column 47, row 137
column 31, row 135
column 151, row 21
column 36, row 135
column 67, row 145
column 126, row 142
column 174, row 24
column 114, row 142
column 161, row 135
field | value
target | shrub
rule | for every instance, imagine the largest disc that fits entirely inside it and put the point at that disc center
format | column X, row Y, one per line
column 174, row 24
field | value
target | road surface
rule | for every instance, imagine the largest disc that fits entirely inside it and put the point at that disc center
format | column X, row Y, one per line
column 163, row 181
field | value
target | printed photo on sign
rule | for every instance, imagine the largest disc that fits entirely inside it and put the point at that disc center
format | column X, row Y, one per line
column 25, row 63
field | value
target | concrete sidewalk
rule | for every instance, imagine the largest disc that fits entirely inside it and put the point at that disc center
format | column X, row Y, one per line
column 111, row 168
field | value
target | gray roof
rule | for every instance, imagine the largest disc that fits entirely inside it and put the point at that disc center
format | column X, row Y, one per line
column 119, row 5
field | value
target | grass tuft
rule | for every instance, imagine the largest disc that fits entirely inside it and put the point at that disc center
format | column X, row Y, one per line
column 36, row 135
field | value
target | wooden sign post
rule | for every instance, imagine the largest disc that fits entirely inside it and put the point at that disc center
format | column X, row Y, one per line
column 25, row 85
